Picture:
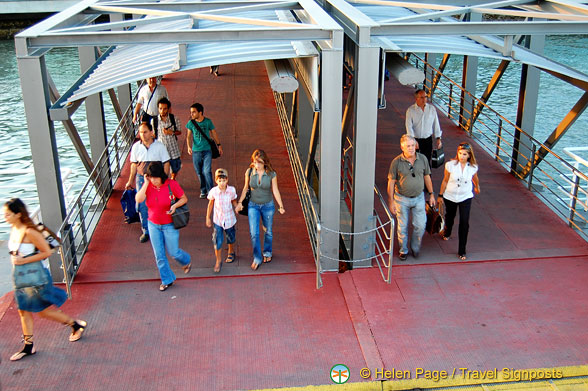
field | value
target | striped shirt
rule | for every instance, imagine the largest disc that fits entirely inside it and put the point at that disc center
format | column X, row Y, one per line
column 223, row 215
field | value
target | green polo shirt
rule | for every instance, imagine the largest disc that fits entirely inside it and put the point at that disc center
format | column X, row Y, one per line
column 402, row 171
column 199, row 143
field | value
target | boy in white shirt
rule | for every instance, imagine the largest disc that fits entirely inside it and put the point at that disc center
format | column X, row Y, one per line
column 222, row 199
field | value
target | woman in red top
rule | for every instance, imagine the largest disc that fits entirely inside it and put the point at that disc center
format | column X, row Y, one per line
column 158, row 190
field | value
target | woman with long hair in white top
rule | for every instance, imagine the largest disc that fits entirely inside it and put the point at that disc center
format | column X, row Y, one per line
column 27, row 245
column 456, row 193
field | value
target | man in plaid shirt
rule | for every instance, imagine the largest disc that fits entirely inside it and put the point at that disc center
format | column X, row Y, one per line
column 167, row 129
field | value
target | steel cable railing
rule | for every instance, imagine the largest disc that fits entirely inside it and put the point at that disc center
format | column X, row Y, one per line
column 555, row 181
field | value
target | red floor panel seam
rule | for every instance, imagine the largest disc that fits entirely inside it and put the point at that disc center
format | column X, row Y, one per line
column 360, row 322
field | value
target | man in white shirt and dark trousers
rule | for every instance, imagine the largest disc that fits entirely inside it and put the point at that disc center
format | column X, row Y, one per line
column 143, row 152
column 422, row 123
column 148, row 98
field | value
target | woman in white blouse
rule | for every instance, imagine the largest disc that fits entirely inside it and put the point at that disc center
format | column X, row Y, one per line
column 456, row 192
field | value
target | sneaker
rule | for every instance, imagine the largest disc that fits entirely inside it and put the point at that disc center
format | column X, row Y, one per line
column 402, row 256
column 144, row 238
column 203, row 194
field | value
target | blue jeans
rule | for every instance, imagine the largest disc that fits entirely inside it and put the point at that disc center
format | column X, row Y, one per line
column 166, row 237
column 266, row 212
column 218, row 235
column 202, row 161
column 404, row 207
column 142, row 206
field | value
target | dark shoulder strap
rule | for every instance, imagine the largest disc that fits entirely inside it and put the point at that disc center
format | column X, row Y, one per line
column 200, row 129
column 155, row 124
column 173, row 121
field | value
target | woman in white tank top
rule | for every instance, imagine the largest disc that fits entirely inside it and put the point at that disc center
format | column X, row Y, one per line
column 28, row 245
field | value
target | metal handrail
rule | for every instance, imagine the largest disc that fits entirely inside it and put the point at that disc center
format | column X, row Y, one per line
column 496, row 135
column 306, row 195
column 82, row 218
column 384, row 239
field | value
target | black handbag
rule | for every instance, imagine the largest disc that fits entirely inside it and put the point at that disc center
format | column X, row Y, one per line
column 437, row 158
column 212, row 143
column 181, row 215
column 245, row 202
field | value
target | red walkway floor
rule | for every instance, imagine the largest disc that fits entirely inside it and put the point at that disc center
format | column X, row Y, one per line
column 272, row 328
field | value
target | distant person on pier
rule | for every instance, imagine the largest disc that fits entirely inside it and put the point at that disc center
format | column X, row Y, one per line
column 422, row 123
column 157, row 193
column 408, row 176
column 167, row 129
column 148, row 98
column 221, row 207
column 261, row 178
column 200, row 130
column 214, row 69
column 28, row 248
column 456, row 193
column 146, row 150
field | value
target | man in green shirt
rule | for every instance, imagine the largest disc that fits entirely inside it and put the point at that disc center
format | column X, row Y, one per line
column 200, row 129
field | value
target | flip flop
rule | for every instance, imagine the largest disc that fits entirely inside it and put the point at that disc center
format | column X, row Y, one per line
column 230, row 258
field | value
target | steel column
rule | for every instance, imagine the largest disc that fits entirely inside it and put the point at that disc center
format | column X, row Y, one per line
column 468, row 83
column 330, row 154
column 364, row 152
column 35, row 93
column 527, row 108
column 430, row 58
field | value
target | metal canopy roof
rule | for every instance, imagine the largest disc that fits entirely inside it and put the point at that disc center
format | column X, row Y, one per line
column 165, row 37
column 446, row 27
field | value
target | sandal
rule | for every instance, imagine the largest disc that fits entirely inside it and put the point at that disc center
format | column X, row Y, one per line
column 462, row 257
column 164, row 287
column 187, row 268
column 267, row 259
column 254, row 265
column 78, row 326
column 230, row 258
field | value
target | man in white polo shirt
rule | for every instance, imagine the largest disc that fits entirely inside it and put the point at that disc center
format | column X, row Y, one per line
column 145, row 151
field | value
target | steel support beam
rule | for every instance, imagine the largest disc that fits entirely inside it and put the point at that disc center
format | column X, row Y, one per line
column 560, row 130
column 526, row 110
column 94, row 108
column 330, row 153
column 488, row 92
column 430, row 73
column 441, row 69
column 468, row 83
column 34, row 82
column 364, row 153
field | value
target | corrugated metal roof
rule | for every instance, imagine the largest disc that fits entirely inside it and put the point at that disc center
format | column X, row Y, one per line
column 130, row 63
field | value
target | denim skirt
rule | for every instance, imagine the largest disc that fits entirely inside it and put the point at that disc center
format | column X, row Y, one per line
column 38, row 298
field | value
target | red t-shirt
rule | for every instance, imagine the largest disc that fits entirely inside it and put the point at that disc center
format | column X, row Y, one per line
column 158, row 201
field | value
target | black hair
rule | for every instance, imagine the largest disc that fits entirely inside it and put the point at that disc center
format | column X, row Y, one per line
column 164, row 101
column 155, row 169
column 198, row 107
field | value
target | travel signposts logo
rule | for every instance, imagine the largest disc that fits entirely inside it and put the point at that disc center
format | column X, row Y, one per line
column 339, row 374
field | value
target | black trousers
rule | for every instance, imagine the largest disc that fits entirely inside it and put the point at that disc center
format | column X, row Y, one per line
column 426, row 147
column 464, row 221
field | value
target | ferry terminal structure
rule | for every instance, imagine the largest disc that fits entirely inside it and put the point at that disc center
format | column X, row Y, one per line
column 322, row 130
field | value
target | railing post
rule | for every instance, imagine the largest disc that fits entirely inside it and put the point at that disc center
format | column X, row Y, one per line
column 532, row 166
column 82, row 222
column 390, row 252
column 319, row 282
column 449, row 101
column 574, row 198
column 498, row 139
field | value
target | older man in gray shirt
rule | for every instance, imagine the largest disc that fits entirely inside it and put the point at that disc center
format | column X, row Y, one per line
column 408, row 176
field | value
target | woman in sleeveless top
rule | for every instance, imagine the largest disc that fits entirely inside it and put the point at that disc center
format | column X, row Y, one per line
column 27, row 245
column 456, row 193
column 263, row 181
